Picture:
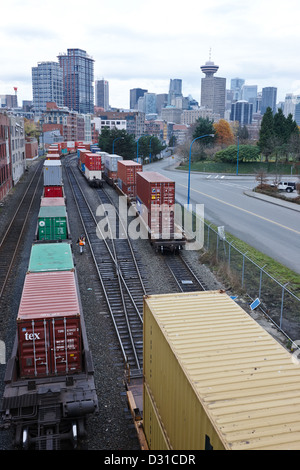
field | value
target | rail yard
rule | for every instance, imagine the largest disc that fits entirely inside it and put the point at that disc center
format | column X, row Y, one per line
column 188, row 316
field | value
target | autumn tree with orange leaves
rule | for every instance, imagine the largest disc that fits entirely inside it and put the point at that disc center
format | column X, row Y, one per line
column 223, row 133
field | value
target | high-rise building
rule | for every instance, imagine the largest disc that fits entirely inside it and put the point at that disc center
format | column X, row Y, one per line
column 175, row 90
column 236, row 86
column 249, row 93
column 213, row 89
column 78, row 77
column 102, row 94
column 135, row 94
column 241, row 111
column 268, row 99
column 47, row 85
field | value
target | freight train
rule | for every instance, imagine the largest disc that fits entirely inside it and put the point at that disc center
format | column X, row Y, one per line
column 49, row 380
column 151, row 195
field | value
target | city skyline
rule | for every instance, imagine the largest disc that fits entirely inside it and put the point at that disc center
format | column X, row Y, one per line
column 137, row 47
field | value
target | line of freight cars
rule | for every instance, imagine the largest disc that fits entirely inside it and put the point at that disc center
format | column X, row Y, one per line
column 49, row 380
column 151, row 194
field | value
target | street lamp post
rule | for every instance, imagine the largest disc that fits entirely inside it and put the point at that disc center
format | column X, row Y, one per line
column 150, row 148
column 113, row 146
column 189, row 180
column 237, row 156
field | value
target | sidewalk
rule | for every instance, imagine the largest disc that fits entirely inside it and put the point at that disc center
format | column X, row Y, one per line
column 274, row 200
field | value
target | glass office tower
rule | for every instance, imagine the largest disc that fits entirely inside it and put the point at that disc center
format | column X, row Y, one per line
column 47, row 85
column 78, row 78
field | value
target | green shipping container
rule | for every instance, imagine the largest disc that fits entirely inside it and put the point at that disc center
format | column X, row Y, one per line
column 52, row 223
column 51, row 257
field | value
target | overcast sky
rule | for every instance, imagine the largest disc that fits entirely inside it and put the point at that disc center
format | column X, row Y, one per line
column 142, row 44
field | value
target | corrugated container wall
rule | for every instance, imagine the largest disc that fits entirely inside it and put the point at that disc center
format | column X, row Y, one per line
column 52, row 173
column 49, row 334
column 127, row 171
column 155, row 202
column 52, row 223
column 53, row 191
column 51, row 257
column 214, row 378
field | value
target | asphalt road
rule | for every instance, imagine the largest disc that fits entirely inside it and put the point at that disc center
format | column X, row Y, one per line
column 271, row 229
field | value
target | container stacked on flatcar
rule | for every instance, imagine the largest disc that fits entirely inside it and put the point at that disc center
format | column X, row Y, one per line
column 49, row 380
column 155, row 203
column 91, row 165
column 127, row 171
column 111, row 168
column 53, row 222
column 52, row 174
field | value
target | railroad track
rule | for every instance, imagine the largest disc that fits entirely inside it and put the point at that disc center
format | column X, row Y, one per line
column 118, row 273
column 185, row 278
column 12, row 238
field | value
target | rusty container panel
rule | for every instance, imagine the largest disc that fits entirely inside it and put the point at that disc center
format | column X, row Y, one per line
column 49, row 333
column 216, row 378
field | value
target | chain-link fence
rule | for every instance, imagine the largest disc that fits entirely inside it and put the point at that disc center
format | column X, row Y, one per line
column 275, row 299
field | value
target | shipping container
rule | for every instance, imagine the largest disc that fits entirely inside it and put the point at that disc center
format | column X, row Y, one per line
column 52, row 223
column 214, row 378
column 49, row 333
column 52, row 172
column 111, row 163
column 53, row 156
column 52, row 201
column 51, row 257
column 155, row 202
column 127, row 170
column 53, row 191
column 93, row 161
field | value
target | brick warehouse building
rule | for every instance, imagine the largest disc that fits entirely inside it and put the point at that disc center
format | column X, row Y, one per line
column 5, row 162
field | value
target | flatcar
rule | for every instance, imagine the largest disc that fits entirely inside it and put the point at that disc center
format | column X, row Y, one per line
column 91, row 166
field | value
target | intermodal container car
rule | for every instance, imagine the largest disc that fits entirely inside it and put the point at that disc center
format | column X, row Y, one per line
column 49, row 333
column 127, row 170
column 155, row 202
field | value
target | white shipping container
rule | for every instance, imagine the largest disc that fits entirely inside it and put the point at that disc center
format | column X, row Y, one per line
column 111, row 162
column 52, row 172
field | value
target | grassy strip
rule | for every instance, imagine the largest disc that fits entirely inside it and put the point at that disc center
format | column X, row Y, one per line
column 243, row 168
column 277, row 270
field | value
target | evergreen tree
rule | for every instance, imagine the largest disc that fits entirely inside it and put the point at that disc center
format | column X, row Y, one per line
column 266, row 134
column 204, row 127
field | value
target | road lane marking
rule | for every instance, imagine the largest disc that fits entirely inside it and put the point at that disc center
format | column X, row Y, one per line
column 244, row 210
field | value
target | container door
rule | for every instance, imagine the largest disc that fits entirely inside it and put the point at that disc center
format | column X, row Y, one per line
column 34, row 350
column 60, row 228
column 65, row 345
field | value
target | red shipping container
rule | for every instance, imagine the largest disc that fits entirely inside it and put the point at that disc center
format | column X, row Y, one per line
column 53, row 156
column 127, row 170
column 93, row 161
column 155, row 189
column 48, row 323
column 53, row 191
column 53, row 150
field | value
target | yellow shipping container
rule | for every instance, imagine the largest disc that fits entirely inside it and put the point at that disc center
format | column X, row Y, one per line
column 214, row 378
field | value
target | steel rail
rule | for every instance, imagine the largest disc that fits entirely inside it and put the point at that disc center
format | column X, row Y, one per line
column 112, row 255
column 12, row 237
